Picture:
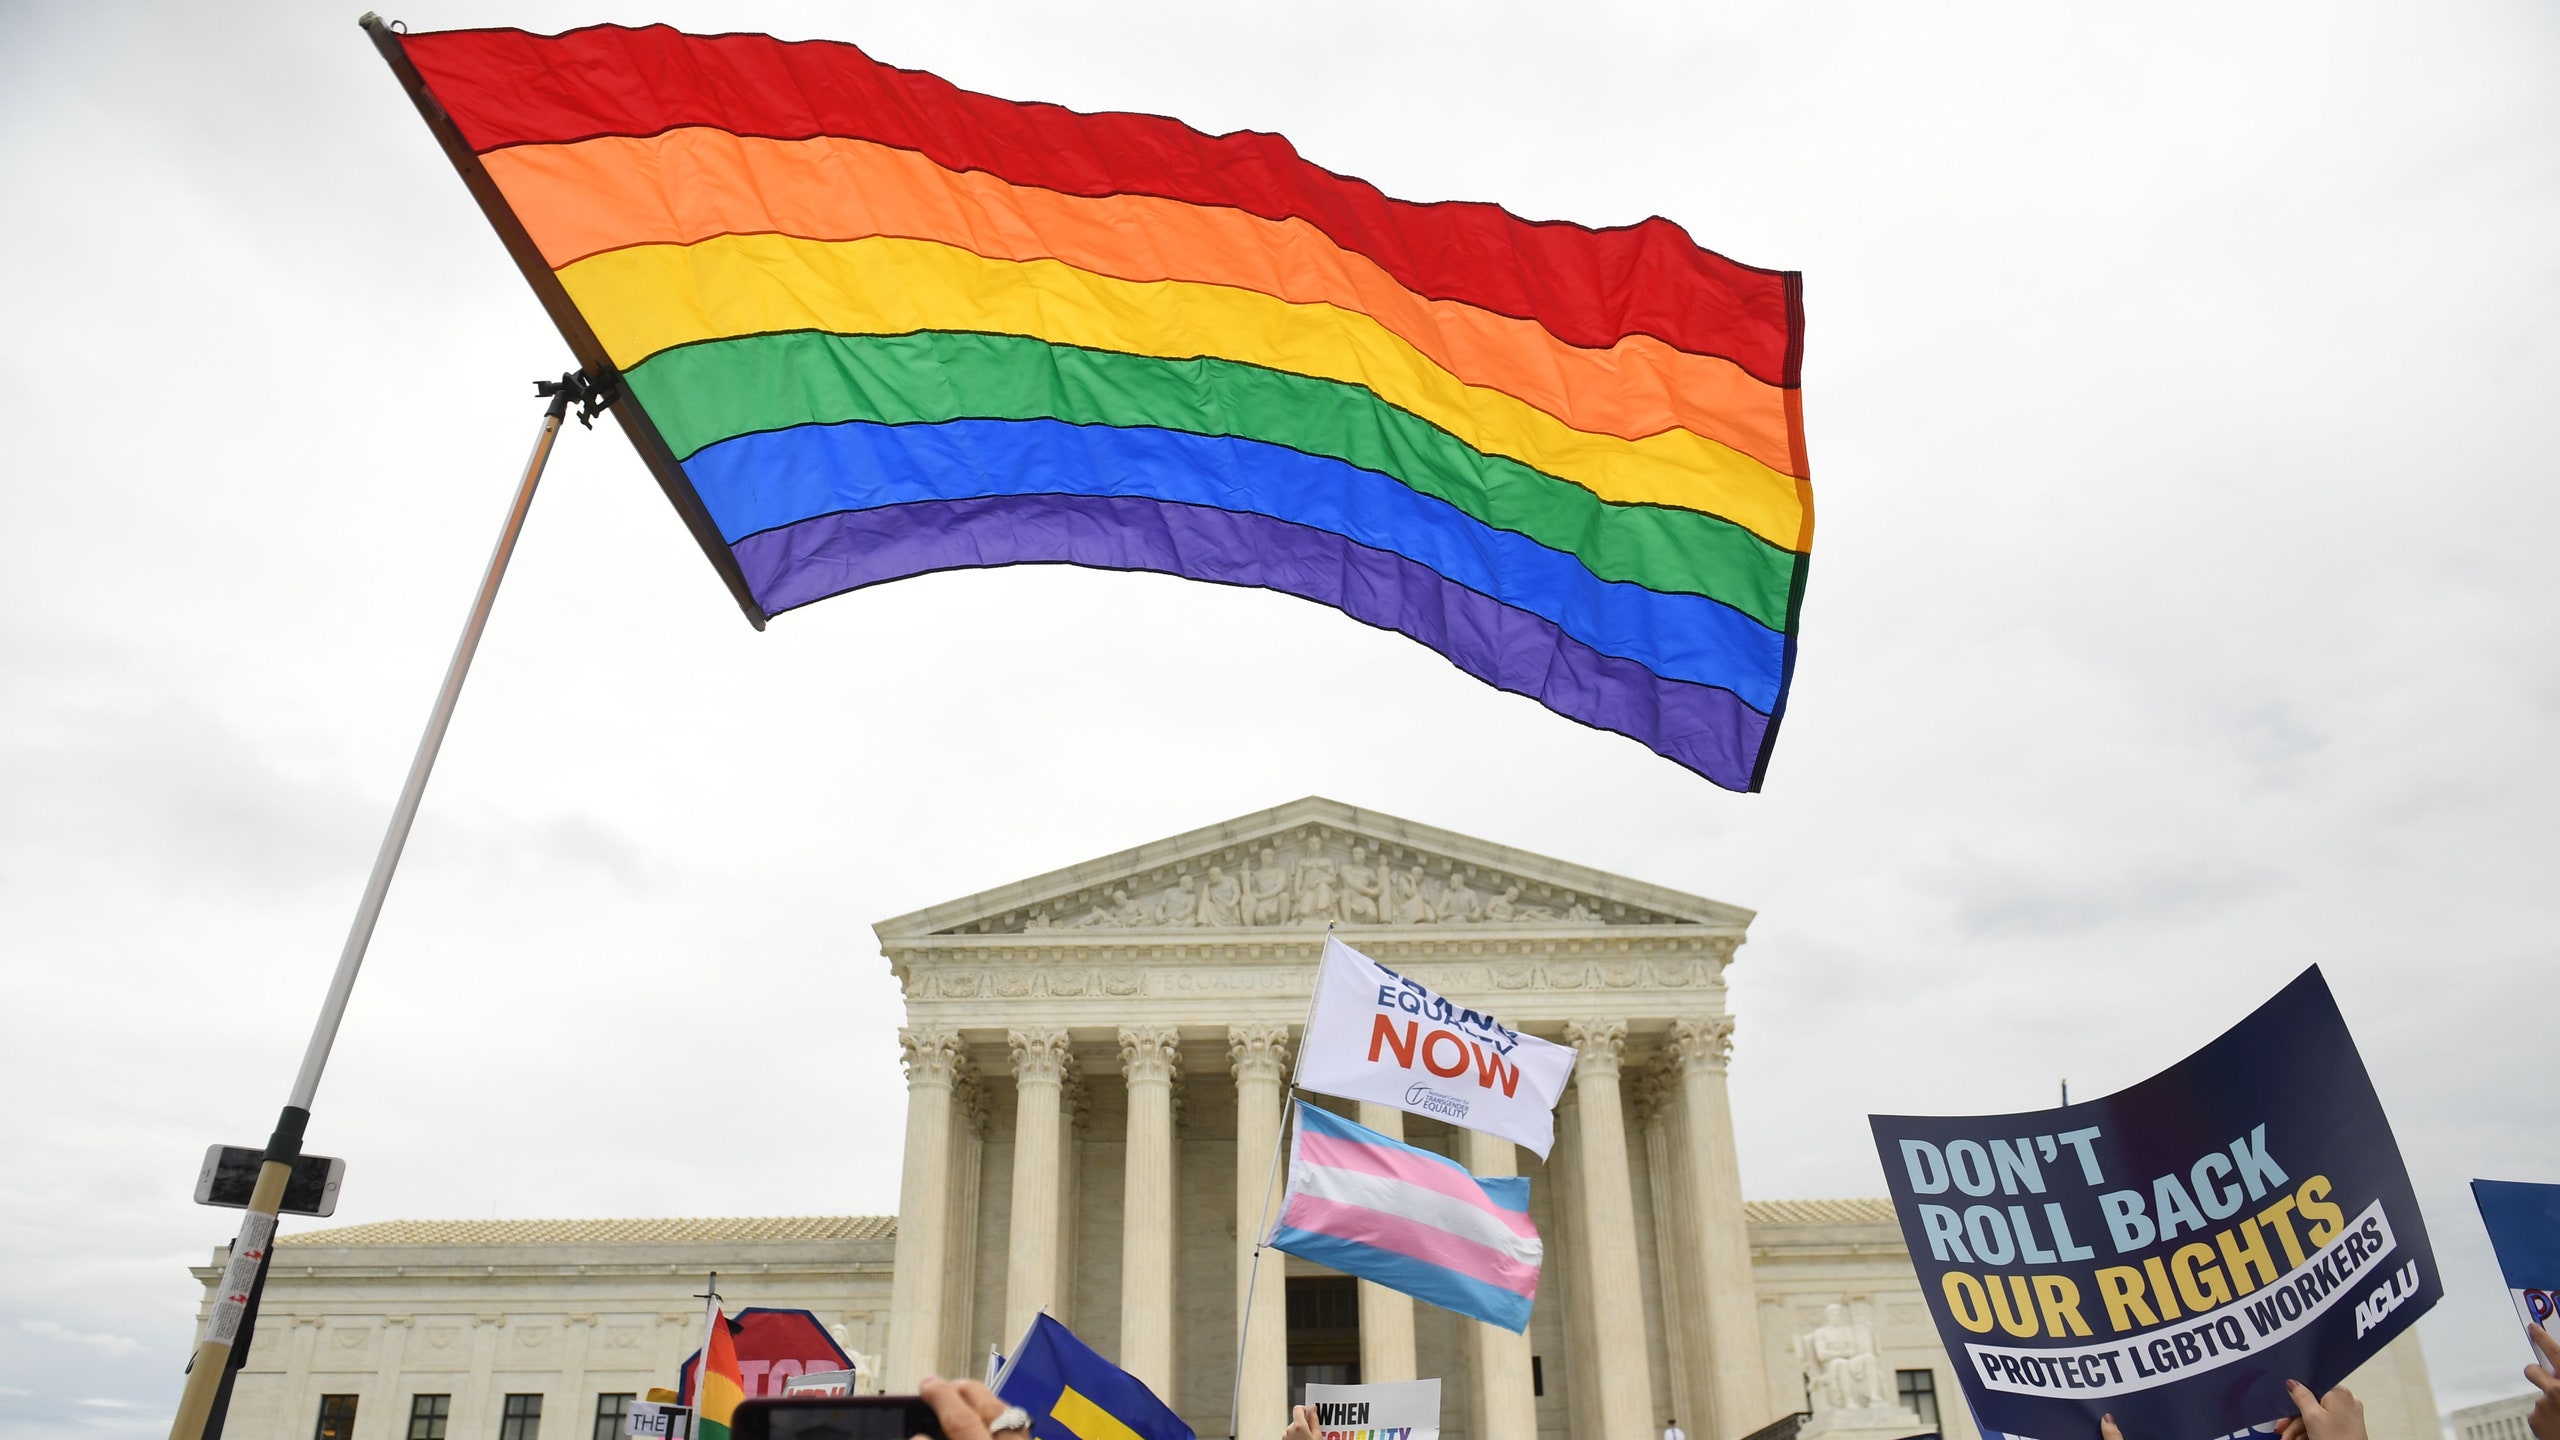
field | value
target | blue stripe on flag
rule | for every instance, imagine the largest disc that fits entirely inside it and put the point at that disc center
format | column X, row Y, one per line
column 1433, row 1284
column 765, row 481
column 1509, row 1192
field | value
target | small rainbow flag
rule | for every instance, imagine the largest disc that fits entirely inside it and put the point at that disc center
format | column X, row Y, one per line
column 715, row 1400
column 869, row 325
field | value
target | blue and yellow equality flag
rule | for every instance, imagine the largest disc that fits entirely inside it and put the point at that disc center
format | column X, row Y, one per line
column 1075, row 1394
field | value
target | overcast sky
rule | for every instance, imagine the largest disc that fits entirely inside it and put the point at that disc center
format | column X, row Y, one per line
column 2180, row 386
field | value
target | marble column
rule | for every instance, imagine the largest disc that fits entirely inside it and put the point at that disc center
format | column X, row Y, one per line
column 476, row 1408
column 1260, row 1056
column 1073, row 1118
column 1149, row 1059
column 301, row 1391
column 573, row 1369
column 933, row 1059
column 1729, row 1318
column 1040, row 1061
column 1624, row 1381
column 1386, row 1316
column 396, row 1331
column 960, row 1261
column 1500, row 1403
column 1568, row 1262
column 1656, row 1096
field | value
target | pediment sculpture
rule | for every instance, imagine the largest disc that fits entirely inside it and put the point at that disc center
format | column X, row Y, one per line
column 1317, row 877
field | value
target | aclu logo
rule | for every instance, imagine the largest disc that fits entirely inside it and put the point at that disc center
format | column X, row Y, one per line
column 2399, row 1290
column 1425, row 1098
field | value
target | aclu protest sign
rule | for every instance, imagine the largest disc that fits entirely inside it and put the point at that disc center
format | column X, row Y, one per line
column 1375, row 1035
column 2172, row 1253
column 2524, row 1228
column 1395, row 1410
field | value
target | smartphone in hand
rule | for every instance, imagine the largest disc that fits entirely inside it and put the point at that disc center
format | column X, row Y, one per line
column 836, row 1417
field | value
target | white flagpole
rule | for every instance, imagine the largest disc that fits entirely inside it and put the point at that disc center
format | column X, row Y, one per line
column 1262, row 1227
column 284, row 1146
column 702, row 1366
column 1000, row 1367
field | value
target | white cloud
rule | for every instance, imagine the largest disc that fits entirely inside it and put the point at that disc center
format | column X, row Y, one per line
column 112, row 1344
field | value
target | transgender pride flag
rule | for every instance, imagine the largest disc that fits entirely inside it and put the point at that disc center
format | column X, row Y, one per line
column 1410, row 1220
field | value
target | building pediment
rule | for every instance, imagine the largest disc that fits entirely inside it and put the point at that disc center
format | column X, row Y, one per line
column 1305, row 865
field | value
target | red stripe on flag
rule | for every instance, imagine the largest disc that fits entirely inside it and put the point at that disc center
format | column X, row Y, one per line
column 1588, row 287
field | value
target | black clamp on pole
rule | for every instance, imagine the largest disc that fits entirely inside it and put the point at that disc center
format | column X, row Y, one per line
column 592, row 396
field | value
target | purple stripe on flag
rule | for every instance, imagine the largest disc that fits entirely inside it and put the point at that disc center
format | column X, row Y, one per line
column 1707, row 729
column 1409, row 1169
column 1410, row 1238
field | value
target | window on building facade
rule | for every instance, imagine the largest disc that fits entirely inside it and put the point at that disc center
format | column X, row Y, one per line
column 522, row 1419
column 1538, row 1375
column 337, row 1418
column 427, row 1415
column 611, row 1411
column 1919, row 1390
column 1324, row 1333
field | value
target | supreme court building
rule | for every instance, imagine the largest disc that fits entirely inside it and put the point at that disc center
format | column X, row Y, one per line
column 1096, row 1063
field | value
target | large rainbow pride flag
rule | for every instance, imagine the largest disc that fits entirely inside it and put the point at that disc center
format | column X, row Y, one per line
column 869, row 325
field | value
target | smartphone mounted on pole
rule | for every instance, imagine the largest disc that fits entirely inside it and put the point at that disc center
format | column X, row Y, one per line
column 229, row 1176
column 836, row 1417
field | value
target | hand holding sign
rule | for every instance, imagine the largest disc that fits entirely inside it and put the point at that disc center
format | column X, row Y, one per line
column 2545, row 1378
column 2339, row 1415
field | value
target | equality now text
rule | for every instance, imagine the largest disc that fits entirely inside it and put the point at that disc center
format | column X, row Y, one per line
column 1379, row 1036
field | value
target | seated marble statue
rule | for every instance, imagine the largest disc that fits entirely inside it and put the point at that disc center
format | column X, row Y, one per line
column 1460, row 904
column 1312, row 887
column 1840, row 1366
column 1363, row 888
column 1221, row 900
column 1406, row 904
column 1266, row 891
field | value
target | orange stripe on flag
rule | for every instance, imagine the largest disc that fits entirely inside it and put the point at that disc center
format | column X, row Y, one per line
column 719, row 1392
column 586, row 198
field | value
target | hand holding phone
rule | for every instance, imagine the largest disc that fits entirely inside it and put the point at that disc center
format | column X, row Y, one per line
column 945, row 1411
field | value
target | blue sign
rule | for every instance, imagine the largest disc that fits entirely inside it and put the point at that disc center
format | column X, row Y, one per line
column 2524, row 1228
column 2173, row 1253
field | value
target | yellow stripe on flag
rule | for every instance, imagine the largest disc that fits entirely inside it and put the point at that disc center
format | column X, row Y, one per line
column 721, row 1397
column 1086, row 1420
column 649, row 298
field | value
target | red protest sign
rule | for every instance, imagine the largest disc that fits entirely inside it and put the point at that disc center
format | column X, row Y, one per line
column 773, row 1346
